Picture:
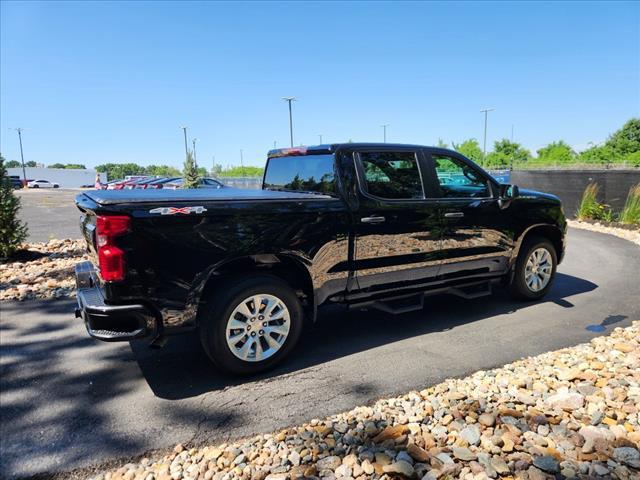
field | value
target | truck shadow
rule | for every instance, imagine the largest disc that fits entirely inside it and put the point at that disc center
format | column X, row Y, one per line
column 182, row 370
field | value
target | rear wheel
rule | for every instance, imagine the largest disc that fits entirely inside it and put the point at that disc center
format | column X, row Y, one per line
column 535, row 269
column 251, row 325
column 55, row 185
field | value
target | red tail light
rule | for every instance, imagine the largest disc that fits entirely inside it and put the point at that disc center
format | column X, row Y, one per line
column 110, row 257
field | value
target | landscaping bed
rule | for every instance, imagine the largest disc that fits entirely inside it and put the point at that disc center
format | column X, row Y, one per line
column 572, row 413
column 626, row 231
column 42, row 270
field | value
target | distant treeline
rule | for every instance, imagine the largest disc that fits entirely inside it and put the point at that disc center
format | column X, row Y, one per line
column 622, row 147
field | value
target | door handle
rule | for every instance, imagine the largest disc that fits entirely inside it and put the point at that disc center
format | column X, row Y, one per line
column 372, row 219
column 453, row 215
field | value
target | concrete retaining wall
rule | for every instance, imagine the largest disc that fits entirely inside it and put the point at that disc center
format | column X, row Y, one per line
column 569, row 185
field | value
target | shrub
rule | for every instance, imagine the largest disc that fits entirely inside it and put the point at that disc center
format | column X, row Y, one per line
column 589, row 206
column 189, row 172
column 12, row 230
column 631, row 211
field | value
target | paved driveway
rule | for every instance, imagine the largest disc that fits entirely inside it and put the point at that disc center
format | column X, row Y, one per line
column 68, row 401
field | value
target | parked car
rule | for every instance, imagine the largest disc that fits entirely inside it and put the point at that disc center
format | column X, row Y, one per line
column 203, row 183
column 161, row 182
column 16, row 182
column 42, row 184
column 131, row 184
column 371, row 225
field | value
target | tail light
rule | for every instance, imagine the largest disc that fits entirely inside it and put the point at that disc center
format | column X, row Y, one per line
column 110, row 257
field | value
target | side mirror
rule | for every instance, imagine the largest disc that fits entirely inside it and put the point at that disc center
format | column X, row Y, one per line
column 509, row 192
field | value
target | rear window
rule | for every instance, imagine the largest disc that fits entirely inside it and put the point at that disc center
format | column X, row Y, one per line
column 304, row 173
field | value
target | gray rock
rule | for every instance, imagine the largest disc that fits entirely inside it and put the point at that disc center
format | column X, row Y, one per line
column 471, row 434
column 463, row 454
column 329, row 463
column 627, row 455
column 547, row 463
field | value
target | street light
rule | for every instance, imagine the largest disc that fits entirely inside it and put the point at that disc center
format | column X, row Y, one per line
column 195, row 159
column 484, row 148
column 241, row 163
column 186, row 149
column 320, row 136
column 24, row 172
column 289, row 100
column 384, row 132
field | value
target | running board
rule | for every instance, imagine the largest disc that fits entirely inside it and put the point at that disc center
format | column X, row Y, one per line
column 410, row 303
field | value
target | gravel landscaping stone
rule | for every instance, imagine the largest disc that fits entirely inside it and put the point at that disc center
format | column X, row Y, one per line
column 43, row 270
column 536, row 418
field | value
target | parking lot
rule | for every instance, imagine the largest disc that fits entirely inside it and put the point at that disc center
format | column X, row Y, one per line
column 49, row 213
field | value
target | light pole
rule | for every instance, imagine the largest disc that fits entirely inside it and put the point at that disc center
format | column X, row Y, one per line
column 289, row 100
column 24, row 173
column 484, row 148
column 241, row 163
column 320, row 136
column 195, row 159
column 186, row 148
column 384, row 132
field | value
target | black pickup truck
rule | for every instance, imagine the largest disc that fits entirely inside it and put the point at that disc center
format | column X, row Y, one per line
column 364, row 225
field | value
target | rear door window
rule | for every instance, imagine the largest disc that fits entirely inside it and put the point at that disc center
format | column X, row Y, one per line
column 301, row 173
column 392, row 175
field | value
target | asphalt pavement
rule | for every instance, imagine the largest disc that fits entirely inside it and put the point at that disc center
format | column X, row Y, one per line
column 49, row 213
column 68, row 402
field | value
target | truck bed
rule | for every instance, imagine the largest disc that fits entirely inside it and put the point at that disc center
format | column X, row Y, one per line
column 111, row 197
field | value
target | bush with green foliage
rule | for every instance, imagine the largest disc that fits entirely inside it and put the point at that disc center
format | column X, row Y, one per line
column 591, row 209
column 556, row 153
column 70, row 166
column 506, row 153
column 470, row 149
column 631, row 211
column 241, row 172
column 13, row 164
column 12, row 231
column 189, row 172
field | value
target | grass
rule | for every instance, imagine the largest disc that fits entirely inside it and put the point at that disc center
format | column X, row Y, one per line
column 589, row 206
column 631, row 211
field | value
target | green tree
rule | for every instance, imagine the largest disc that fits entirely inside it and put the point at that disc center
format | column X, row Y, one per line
column 117, row 171
column 506, row 152
column 627, row 139
column 56, row 165
column 13, row 164
column 242, row 172
column 556, row 153
column 30, row 163
column 162, row 171
column 75, row 166
column 441, row 144
column 12, row 231
column 189, row 172
column 469, row 148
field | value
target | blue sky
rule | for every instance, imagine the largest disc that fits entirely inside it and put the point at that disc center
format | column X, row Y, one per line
column 113, row 82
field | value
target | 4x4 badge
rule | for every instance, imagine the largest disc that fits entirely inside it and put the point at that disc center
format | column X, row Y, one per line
column 178, row 210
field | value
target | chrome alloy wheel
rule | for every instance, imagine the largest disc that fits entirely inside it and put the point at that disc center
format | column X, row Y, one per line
column 258, row 327
column 537, row 273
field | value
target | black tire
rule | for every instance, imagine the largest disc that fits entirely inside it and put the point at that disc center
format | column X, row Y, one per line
column 56, row 186
column 36, row 186
column 518, row 287
column 215, row 313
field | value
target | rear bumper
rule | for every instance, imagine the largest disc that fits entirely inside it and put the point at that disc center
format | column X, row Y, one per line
column 110, row 323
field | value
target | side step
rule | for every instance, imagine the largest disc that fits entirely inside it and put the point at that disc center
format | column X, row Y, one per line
column 415, row 301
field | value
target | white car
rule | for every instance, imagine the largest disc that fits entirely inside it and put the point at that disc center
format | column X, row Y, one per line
column 42, row 184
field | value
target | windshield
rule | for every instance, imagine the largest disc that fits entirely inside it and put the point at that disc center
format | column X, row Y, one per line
column 304, row 173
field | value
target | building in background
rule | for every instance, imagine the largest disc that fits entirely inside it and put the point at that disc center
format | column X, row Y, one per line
column 66, row 178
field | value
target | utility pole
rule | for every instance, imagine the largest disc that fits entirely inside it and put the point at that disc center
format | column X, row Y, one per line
column 484, row 149
column 384, row 132
column 241, row 163
column 320, row 136
column 186, row 148
column 195, row 159
column 289, row 100
column 24, row 172
column 275, row 144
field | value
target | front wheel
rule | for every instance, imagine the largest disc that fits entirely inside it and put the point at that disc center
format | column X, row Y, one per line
column 251, row 325
column 56, row 186
column 535, row 269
